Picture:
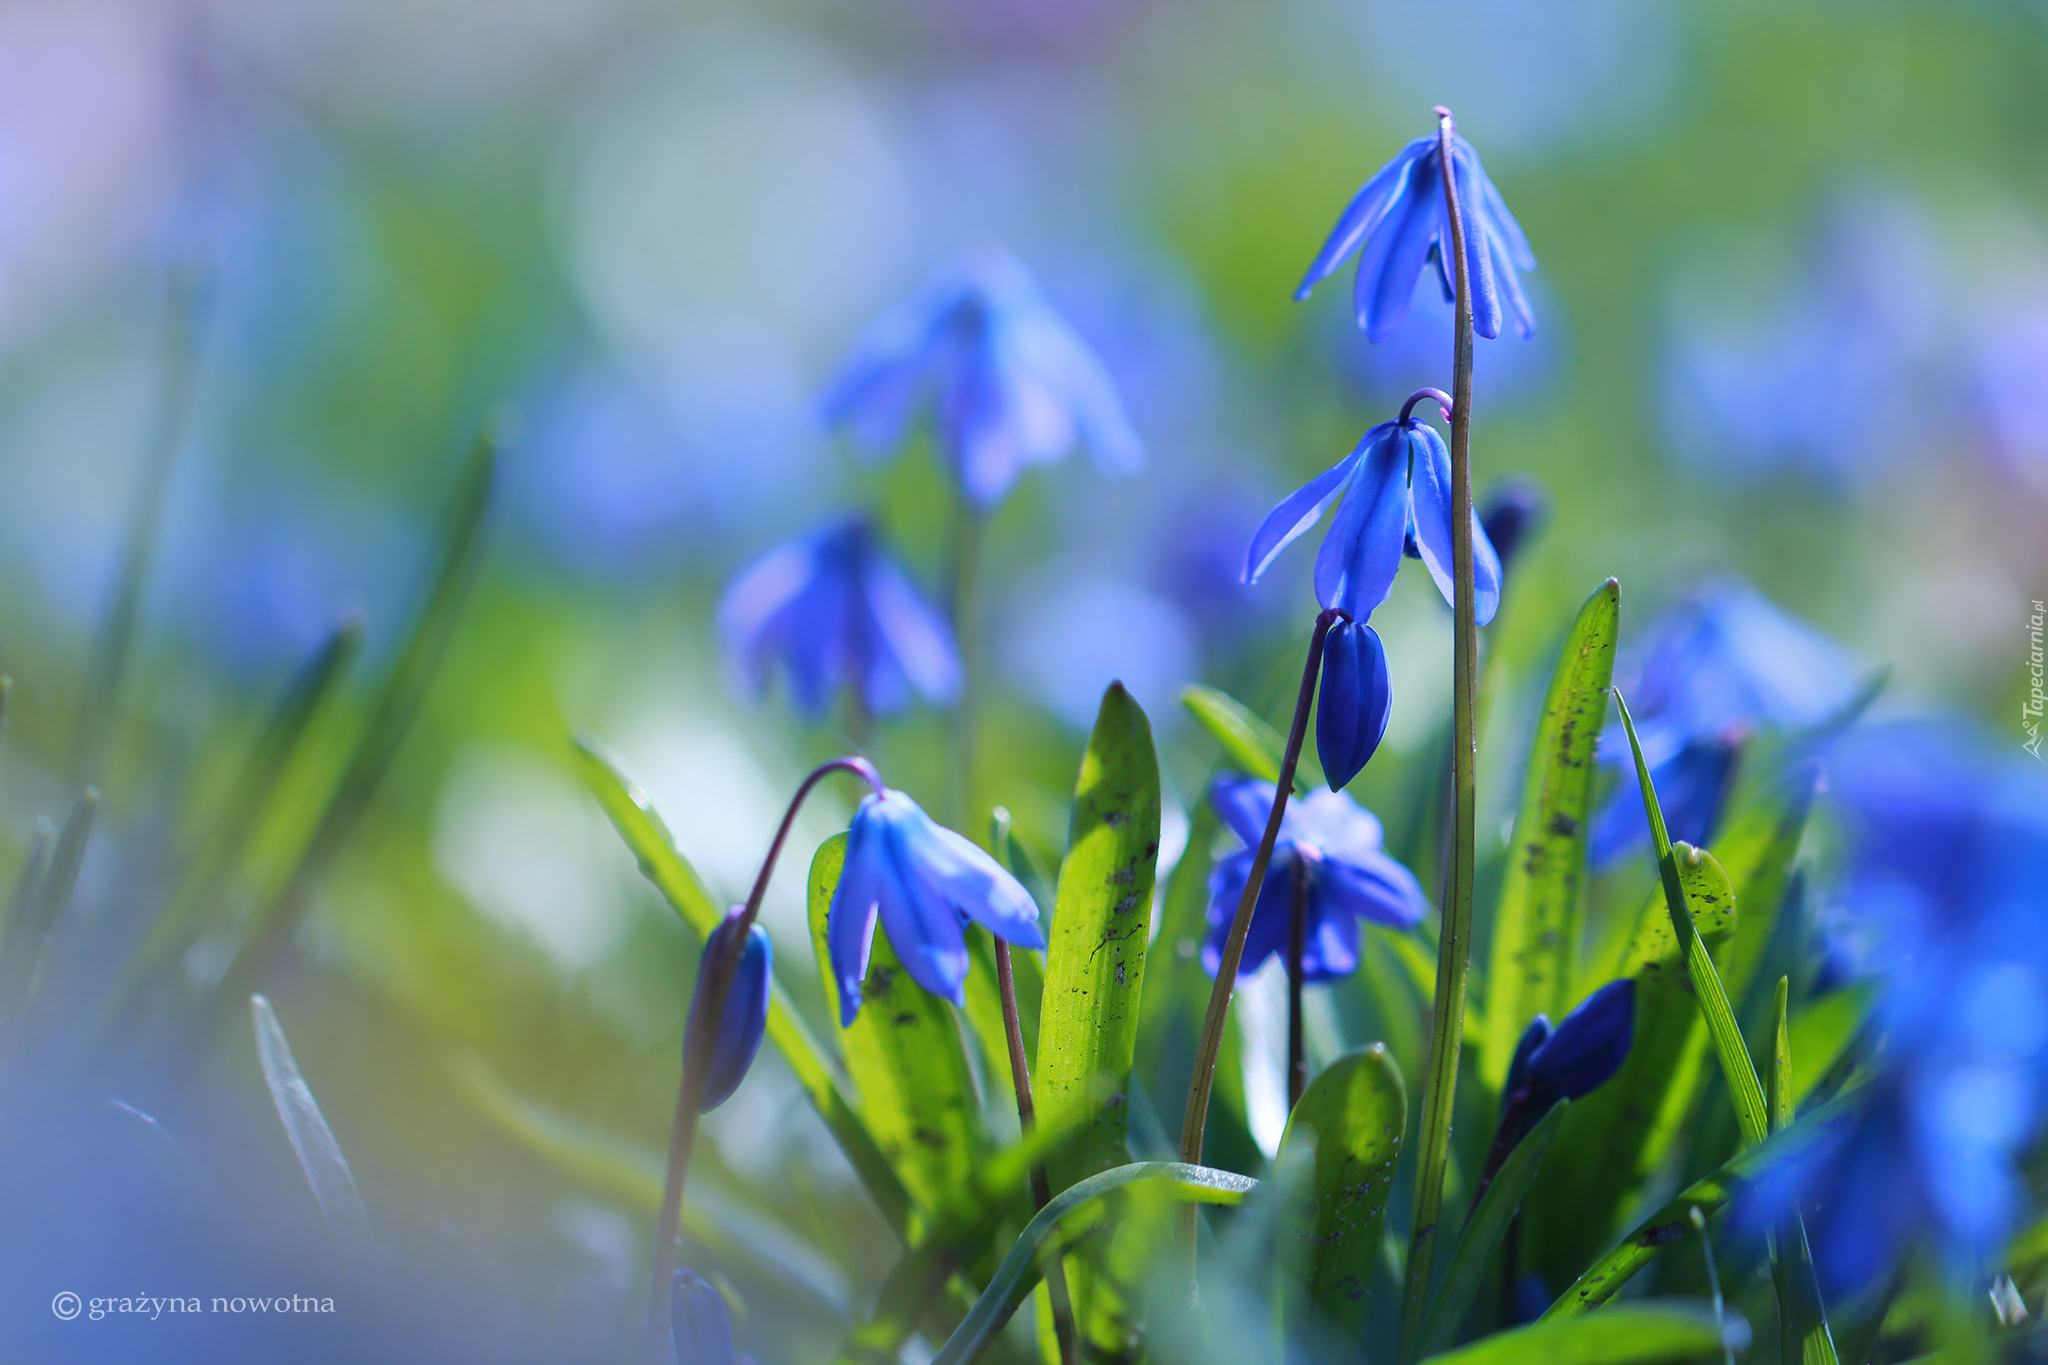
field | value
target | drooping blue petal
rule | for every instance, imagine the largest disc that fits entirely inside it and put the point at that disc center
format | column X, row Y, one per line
column 1499, row 221
column 744, row 1017
column 1354, row 702
column 977, row 886
column 1478, row 244
column 1297, row 512
column 1047, row 346
column 923, row 924
column 1373, row 887
column 1329, row 946
column 1509, row 282
column 1364, row 213
column 750, row 614
column 1267, row 934
column 913, row 636
column 1533, row 1037
column 696, row 1310
column 1393, row 258
column 1245, row 803
column 1431, row 494
column 1587, row 1047
column 850, row 921
column 1362, row 550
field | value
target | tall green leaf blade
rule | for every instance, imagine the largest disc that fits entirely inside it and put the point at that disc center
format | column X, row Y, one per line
column 1249, row 743
column 1536, row 922
column 1095, row 975
column 1633, row 1334
column 634, row 816
column 1358, row 1110
column 1802, row 1317
column 905, row 1055
column 1484, row 1231
column 1822, row 1032
column 1758, row 850
column 1070, row 1212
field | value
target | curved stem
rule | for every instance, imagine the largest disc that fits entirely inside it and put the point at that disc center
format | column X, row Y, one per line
column 1415, row 399
column 1027, row 1119
column 1447, row 1034
column 1204, row 1081
column 707, row 1007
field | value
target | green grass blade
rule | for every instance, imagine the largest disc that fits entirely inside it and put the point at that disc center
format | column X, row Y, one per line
column 327, row 1172
column 1484, row 1231
column 1633, row 1334
column 1538, row 914
column 905, row 1056
column 633, row 815
column 1043, row 1237
column 1802, row 1317
column 1822, row 1033
column 1758, row 849
column 21, row 946
column 1249, row 744
column 1358, row 1110
column 1604, row 1279
column 1095, row 972
column 1743, row 1087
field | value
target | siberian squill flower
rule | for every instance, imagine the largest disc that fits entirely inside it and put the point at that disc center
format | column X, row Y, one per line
column 836, row 612
column 1356, row 699
column 745, row 1016
column 1332, row 841
column 1399, row 223
column 924, row 883
column 1572, row 1060
column 703, row 1333
column 1011, row 381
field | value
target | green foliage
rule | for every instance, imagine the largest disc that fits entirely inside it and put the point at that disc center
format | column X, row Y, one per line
column 1358, row 1111
column 1249, row 743
column 1543, row 891
column 1634, row 1334
column 1802, row 1319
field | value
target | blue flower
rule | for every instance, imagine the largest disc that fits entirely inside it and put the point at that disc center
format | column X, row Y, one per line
column 835, row 611
column 696, row 1311
column 1402, row 223
column 925, row 883
column 1013, row 384
column 1511, row 512
column 1356, row 699
column 1577, row 1057
column 745, row 1015
column 1396, row 486
column 1693, row 786
column 1336, row 844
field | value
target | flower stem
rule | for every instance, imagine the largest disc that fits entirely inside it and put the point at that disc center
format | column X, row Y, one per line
column 1297, row 932
column 962, row 567
column 1027, row 1119
column 707, row 1007
column 1447, row 1032
column 1204, row 1080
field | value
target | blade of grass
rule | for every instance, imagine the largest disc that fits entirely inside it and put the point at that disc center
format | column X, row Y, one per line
column 327, row 1172
column 1249, row 743
column 1802, row 1316
column 1633, row 1334
column 28, row 929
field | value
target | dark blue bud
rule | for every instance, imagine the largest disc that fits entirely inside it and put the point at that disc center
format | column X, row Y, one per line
column 1533, row 1037
column 696, row 1314
column 746, row 1010
column 1588, row 1047
column 1351, row 714
column 1512, row 511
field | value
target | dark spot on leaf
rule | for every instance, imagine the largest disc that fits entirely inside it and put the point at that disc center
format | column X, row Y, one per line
column 1561, row 824
column 1665, row 1235
column 1117, row 817
column 908, row 1017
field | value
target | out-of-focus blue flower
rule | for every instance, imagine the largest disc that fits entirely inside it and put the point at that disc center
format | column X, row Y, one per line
column 1946, row 839
column 1693, row 787
column 1396, row 487
column 696, row 1312
column 745, row 1016
column 1356, row 699
column 1574, row 1059
column 1512, row 511
column 1337, row 845
column 925, row 883
column 835, row 611
column 1402, row 223
column 1012, row 382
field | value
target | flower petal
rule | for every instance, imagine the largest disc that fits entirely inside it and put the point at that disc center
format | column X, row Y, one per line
column 981, row 888
column 1478, row 253
column 1329, row 946
column 1363, row 214
column 850, row 922
column 1362, row 550
column 911, row 634
column 744, row 1017
column 1245, row 803
column 697, row 1318
column 1588, row 1046
column 1393, row 259
column 1297, row 512
column 1375, row 887
column 1533, row 1037
column 1431, row 492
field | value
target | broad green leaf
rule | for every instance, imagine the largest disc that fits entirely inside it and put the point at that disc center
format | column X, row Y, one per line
column 1484, row 1231
column 1619, row 1136
column 1633, row 1334
column 633, row 815
column 1802, row 1318
column 1358, row 1110
column 1822, row 1033
column 905, row 1055
column 1251, row 745
column 1542, row 895
column 1744, row 1090
column 1095, row 973
column 1069, row 1215
column 326, row 1170
column 1758, row 850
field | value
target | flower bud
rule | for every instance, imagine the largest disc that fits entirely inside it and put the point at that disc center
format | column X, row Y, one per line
column 745, row 1016
column 696, row 1313
column 1351, row 713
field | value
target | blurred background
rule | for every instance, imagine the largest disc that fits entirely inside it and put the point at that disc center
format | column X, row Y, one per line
column 266, row 267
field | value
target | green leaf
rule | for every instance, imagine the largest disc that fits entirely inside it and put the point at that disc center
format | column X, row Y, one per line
column 1095, row 972
column 1484, row 1231
column 1358, row 1110
column 1744, row 1089
column 1822, row 1033
column 1251, row 745
column 1802, row 1318
column 1068, row 1216
column 36, row 914
column 326, row 1170
column 905, row 1055
column 1671, row 1223
column 1621, row 1135
column 1542, row 895
column 1758, row 850
column 1633, row 1334
column 633, row 815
